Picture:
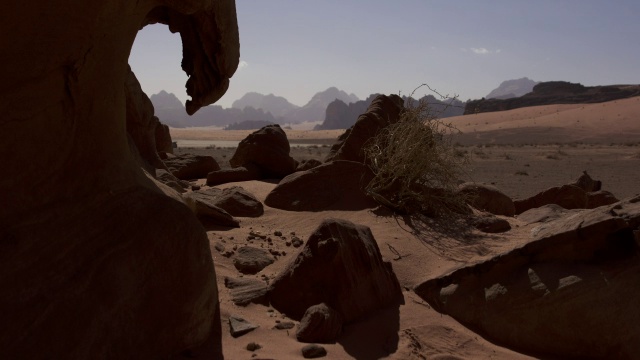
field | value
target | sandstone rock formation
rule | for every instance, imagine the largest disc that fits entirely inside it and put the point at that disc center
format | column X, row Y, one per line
column 341, row 266
column 336, row 185
column 244, row 291
column 234, row 200
column 251, row 260
column 243, row 173
column 320, row 323
column 97, row 262
column 141, row 123
column 488, row 198
column 584, row 193
column 189, row 166
column 383, row 110
column 568, row 293
column 268, row 150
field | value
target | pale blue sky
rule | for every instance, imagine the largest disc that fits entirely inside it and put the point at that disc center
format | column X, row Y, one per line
column 295, row 48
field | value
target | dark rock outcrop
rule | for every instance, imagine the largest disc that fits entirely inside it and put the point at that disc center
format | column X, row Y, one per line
column 97, row 262
column 141, row 123
column 336, row 185
column 251, row 260
column 321, row 324
column 384, row 110
column 555, row 92
column 584, row 193
column 189, row 166
column 164, row 144
column 568, row 293
column 244, row 291
column 234, row 200
column 242, row 173
column 341, row 266
column 308, row 164
column 268, row 150
column 488, row 198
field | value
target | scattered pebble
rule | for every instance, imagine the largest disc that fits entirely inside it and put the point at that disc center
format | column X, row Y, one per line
column 284, row 325
column 253, row 346
column 277, row 233
column 296, row 242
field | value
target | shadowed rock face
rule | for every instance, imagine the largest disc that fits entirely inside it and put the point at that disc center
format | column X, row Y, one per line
column 340, row 265
column 96, row 261
column 571, row 292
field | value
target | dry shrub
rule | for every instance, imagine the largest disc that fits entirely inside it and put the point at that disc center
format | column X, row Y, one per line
column 416, row 165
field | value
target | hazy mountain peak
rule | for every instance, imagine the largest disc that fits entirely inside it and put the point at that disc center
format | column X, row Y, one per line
column 165, row 100
column 276, row 105
column 512, row 88
column 323, row 98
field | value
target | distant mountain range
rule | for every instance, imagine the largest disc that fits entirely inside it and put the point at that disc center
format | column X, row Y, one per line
column 512, row 88
column 252, row 107
column 340, row 115
column 555, row 92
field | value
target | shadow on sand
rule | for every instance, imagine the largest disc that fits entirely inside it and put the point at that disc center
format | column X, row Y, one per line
column 374, row 337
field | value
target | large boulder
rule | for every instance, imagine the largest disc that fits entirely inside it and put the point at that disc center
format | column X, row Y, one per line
column 384, row 110
column 337, row 185
column 234, row 200
column 341, row 266
column 567, row 196
column 243, row 173
column 568, row 293
column 487, row 198
column 97, row 261
column 190, row 166
column 268, row 149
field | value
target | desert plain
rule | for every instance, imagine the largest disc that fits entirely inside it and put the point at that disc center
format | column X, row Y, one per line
column 521, row 152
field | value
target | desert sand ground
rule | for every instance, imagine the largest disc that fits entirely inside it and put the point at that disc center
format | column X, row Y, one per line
column 421, row 250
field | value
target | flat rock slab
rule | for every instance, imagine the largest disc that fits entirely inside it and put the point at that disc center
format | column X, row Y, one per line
column 234, row 200
column 570, row 292
column 245, row 291
column 251, row 260
column 209, row 212
column 239, row 326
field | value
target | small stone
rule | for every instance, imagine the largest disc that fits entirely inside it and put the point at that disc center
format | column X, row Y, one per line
column 195, row 187
column 296, row 242
column 288, row 243
column 219, row 247
column 274, row 252
column 228, row 253
column 313, row 351
column 284, row 325
column 239, row 326
column 253, row 346
column 277, row 233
